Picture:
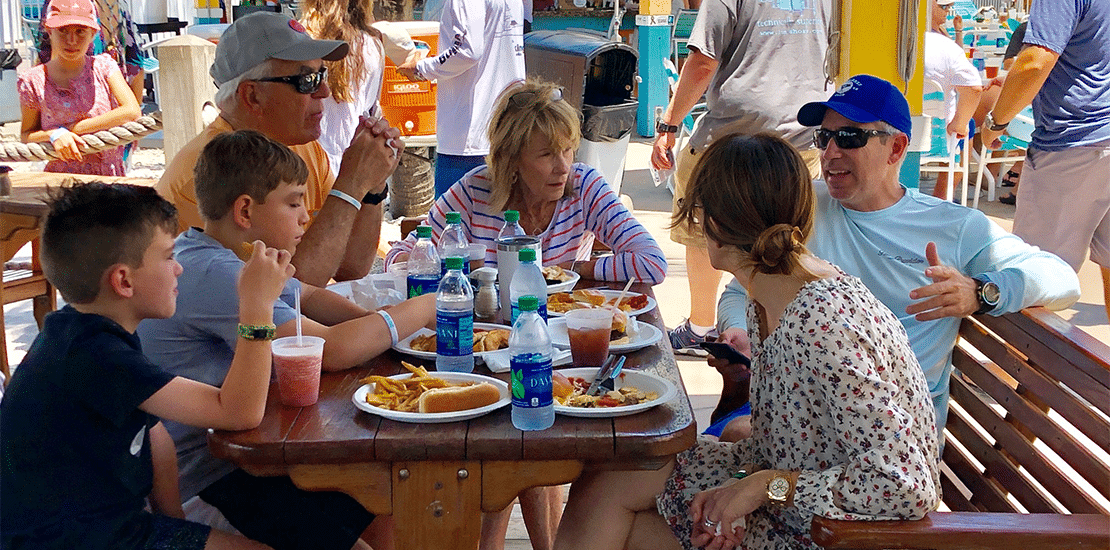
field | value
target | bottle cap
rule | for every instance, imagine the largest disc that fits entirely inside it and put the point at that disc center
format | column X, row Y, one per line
column 454, row 262
column 454, row 217
column 527, row 255
column 528, row 303
column 512, row 216
column 424, row 231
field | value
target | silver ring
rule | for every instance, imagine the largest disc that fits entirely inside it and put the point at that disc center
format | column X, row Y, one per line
column 710, row 523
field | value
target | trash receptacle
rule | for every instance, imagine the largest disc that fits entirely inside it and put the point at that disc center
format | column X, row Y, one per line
column 597, row 76
column 9, row 96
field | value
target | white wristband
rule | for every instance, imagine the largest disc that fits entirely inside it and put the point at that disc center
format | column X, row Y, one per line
column 345, row 198
column 392, row 327
column 57, row 133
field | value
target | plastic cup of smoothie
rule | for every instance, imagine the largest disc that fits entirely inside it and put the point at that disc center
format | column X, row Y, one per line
column 588, row 331
column 298, row 369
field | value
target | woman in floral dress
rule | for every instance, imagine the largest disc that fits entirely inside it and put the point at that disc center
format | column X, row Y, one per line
column 842, row 423
column 75, row 93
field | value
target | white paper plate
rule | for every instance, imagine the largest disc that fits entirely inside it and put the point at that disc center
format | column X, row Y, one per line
column 566, row 285
column 405, row 346
column 359, row 399
column 646, row 335
column 645, row 381
column 613, row 294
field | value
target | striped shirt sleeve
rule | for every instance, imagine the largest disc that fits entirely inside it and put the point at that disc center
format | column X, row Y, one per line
column 635, row 252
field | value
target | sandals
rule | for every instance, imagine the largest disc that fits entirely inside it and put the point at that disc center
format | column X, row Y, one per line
column 1008, row 198
column 1011, row 179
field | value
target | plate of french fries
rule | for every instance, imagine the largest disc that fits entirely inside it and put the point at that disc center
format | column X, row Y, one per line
column 396, row 397
column 488, row 338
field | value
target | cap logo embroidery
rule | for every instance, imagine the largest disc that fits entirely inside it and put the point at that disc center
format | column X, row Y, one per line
column 847, row 87
column 296, row 25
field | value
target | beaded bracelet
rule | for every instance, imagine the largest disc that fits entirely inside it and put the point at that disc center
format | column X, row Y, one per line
column 257, row 332
column 741, row 474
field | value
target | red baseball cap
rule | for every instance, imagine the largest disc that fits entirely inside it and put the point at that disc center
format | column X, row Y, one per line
column 71, row 12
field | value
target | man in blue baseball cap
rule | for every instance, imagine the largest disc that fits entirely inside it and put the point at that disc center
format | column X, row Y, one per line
column 932, row 262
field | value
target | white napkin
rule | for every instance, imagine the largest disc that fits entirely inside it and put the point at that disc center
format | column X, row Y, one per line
column 498, row 361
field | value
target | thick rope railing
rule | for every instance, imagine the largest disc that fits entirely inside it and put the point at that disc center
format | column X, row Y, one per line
column 92, row 143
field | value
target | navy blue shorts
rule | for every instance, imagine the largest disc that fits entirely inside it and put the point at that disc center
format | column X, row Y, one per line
column 176, row 534
column 719, row 426
column 274, row 511
column 451, row 168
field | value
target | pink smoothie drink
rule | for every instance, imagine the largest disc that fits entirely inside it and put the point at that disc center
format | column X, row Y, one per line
column 298, row 369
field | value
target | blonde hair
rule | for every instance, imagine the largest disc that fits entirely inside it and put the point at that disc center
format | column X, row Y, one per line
column 347, row 20
column 521, row 112
column 754, row 193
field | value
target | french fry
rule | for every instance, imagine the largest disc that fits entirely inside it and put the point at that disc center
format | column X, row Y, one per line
column 403, row 394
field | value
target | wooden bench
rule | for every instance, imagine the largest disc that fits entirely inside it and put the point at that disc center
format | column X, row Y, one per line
column 1025, row 463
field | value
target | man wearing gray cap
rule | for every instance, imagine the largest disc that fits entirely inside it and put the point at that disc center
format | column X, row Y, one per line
column 272, row 79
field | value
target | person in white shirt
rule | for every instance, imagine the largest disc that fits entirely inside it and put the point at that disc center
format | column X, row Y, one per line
column 481, row 45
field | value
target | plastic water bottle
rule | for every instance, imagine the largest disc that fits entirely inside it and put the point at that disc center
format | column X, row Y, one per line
column 530, row 369
column 455, row 320
column 423, row 264
column 452, row 242
column 512, row 226
column 528, row 281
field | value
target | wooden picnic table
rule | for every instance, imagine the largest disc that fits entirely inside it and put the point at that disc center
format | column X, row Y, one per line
column 436, row 479
column 20, row 223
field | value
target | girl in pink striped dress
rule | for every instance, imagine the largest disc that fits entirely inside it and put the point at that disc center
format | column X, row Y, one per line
column 75, row 93
column 533, row 136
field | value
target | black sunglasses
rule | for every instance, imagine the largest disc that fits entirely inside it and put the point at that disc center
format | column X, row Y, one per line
column 845, row 138
column 306, row 83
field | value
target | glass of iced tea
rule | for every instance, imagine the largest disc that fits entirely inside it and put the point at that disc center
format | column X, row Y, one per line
column 588, row 331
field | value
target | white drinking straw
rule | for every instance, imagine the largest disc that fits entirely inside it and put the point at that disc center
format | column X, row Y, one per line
column 297, row 305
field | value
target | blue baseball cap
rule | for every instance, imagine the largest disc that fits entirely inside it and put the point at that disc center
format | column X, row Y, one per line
column 863, row 98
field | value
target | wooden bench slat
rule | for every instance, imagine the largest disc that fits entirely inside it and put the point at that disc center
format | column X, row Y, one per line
column 1078, row 456
column 1073, row 359
column 969, row 531
column 953, row 497
column 984, row 495
column 1008, row 437
column 998, row 466
column 1077, row 413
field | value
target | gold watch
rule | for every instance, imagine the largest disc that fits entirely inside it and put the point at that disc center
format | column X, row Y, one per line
column 778, row 489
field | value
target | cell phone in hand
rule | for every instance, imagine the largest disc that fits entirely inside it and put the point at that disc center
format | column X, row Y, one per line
column 721, row 350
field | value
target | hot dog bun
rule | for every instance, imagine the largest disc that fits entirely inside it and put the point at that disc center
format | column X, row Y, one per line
column 458, row 398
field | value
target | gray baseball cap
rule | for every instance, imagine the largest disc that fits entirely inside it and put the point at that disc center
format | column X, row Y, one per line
column 264, row 35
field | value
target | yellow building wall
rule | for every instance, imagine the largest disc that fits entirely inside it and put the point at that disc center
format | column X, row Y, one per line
column 869, row 43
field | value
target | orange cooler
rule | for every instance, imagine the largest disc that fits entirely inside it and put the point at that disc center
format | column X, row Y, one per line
column 411, row 106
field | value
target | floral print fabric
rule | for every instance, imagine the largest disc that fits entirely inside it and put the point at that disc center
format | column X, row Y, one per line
column 836, row 394
column 88, row 96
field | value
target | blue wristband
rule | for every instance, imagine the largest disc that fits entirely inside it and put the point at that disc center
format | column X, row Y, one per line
column 392, row 327
column 345, row 198
column 57, row 133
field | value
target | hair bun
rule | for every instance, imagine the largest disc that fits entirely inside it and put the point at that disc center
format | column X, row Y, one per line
column 774, row 246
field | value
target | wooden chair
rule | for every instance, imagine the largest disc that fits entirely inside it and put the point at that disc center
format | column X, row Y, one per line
column 1021, row 465
column 25, row 284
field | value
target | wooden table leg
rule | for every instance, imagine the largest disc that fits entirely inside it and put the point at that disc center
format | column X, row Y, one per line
column 437, row 505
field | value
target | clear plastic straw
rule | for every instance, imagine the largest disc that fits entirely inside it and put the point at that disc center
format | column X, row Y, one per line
column 297, row 305
column 613, row 307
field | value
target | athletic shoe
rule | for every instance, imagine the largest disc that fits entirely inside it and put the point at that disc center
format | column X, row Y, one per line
column 685, row 341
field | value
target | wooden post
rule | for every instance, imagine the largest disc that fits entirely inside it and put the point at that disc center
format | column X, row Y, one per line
column 184, row 85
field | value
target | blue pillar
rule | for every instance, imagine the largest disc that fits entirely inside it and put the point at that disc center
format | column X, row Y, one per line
column 910, row 175
column 654, row 45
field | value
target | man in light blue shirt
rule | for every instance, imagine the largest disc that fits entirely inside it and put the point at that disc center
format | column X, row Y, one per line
column 930, row 261
column 1064, row 69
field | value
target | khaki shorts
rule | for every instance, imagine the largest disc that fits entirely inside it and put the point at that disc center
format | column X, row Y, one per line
column 684, row 168
column 1064, row 203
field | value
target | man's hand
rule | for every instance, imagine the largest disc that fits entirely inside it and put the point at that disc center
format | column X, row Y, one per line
column 662, row 156
column 990, row 137
column 408, row 68
column 370, row 158
column 738, row 339
column 952, row 293
column 958, row 128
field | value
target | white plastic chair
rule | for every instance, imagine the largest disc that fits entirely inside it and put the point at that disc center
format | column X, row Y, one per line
column 680, row 33
column 942, row 151
column 1017, row 137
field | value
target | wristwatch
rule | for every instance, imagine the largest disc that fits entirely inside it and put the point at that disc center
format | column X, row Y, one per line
column 375, row 198
column 992, row 125
column 778, row 488
column 988, row 293
column 664, row 128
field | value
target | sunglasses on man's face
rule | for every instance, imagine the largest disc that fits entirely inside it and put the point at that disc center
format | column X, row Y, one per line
column 306, row 83
column 845, row 138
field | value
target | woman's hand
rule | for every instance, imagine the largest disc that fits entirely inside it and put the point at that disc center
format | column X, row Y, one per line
column 67, row 146
column 723, row 505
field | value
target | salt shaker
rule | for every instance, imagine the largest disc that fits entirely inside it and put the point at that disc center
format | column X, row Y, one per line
column 485, row 296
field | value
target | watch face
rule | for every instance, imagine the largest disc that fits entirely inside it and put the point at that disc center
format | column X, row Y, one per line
column 991, row 294
column 778, row 488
